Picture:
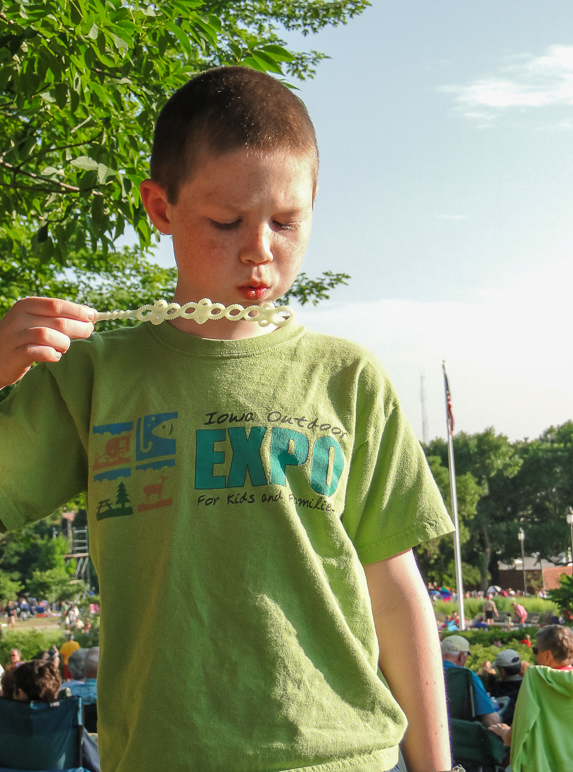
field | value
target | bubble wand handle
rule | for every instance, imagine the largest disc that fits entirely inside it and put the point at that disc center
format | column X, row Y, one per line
column 203, row 311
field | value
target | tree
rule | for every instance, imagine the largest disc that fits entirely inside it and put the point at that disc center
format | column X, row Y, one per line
column 9, row 589
column 542, row 491
column 436, row 558
column 37, row 547
column 491, row 460
column 55, row 585
column 563, row 595
column 81, row 82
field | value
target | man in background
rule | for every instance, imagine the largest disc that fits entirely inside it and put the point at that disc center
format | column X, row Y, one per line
column 455, row 651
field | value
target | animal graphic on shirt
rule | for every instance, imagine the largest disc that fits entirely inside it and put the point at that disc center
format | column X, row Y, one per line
column 153, row 496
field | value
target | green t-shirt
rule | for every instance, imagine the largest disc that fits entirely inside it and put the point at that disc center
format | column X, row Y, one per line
column 235, row 489
column 542, row 740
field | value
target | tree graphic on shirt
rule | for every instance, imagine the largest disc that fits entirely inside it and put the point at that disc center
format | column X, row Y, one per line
column 122, row 497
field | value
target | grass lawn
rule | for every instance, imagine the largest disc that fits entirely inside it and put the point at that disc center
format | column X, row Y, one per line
column 34, row 623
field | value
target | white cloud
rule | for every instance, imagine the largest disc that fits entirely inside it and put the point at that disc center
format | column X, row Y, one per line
column 523, row 82
column 507, row 352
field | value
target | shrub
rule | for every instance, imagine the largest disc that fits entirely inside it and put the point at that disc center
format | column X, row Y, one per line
column 474, row 606
column 563, row 595
column 481, row 653
column 30, row 642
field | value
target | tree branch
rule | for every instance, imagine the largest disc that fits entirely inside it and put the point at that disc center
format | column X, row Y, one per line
column 62, row 185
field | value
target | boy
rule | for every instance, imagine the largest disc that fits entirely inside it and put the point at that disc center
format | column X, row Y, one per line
column 253, row 493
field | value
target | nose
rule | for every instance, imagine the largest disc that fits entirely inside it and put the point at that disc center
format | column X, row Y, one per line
column 257, row 247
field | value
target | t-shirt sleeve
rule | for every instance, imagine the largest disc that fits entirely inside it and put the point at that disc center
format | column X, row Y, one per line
column 483, row 704
column 392, row 502
column 43, row 459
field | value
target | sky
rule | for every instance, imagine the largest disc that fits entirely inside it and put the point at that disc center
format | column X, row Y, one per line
column 445, row 130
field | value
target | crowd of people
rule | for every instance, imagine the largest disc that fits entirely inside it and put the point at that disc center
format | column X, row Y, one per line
column 40, row 680
column 497, row 686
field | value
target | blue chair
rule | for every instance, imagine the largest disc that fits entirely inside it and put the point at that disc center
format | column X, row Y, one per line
column 41, row 736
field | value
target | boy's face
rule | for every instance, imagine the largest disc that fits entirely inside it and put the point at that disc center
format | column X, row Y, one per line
column 240, row 229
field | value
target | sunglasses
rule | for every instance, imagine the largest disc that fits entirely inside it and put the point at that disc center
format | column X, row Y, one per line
column 535, row 650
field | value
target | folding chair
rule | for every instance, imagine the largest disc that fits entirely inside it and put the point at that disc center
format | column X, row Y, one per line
column 473, row 746
column 41, row 736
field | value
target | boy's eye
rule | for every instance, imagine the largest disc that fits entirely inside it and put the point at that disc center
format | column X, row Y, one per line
column 284, row 226
column 225, row 226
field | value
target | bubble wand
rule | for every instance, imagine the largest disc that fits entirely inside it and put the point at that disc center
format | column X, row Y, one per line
column 203, row 311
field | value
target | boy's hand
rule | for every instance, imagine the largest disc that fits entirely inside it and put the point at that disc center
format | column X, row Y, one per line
column 39, row 330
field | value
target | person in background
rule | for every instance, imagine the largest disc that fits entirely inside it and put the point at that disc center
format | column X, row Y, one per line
column 76, row 664
column 505, row 680
column 66, row 650
column 40, row 681
column 554, row 649
column 490, row 610
column 455, row 651
column 11, row 613
column 15, row 657
column 86, row 688
column 7, row 682
column 37, row 681
column 520, row 612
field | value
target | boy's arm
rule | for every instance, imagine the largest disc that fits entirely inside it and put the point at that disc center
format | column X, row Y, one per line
column 39, row 330
column 410, row 659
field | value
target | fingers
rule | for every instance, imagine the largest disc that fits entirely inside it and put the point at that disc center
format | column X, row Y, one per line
column 39, row 330
column 56, row 313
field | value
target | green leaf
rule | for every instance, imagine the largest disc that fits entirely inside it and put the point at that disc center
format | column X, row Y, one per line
column 97, row 209
column 103, row 172
column 267, row 61
column 181, row 36
column 251, row 61
column 277, row 52
column 120, row 43
column 94, row 31
column 83, row 162
column 206, row 31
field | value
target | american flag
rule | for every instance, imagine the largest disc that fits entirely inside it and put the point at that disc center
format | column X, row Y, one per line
column 449, row 412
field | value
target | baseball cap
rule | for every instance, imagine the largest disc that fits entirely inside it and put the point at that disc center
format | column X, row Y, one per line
column 454, row 643
column 507, row 658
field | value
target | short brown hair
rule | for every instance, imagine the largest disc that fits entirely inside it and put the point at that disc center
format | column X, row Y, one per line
column 39, row 680
column 8, row 682
column 558, row 640
column 222, row 110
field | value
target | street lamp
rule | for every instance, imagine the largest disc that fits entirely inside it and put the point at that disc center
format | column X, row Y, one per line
column 569, row 518
column 521, row 537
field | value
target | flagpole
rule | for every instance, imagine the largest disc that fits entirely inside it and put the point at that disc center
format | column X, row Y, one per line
column 454, row 497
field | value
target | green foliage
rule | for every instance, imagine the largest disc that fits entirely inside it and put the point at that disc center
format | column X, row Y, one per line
column 307, row 290
column 9, row 589
column 436, row 558
column 480, row 653
column 525, row 485
column 81, row 83
column 55, row 585
column 474, row 606
column 33, row 559
column 30, row 642
column 541, row 493
column 483, row 649
column 562, row 597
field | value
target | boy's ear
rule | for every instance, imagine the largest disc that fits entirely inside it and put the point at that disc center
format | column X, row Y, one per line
column 155, row 202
